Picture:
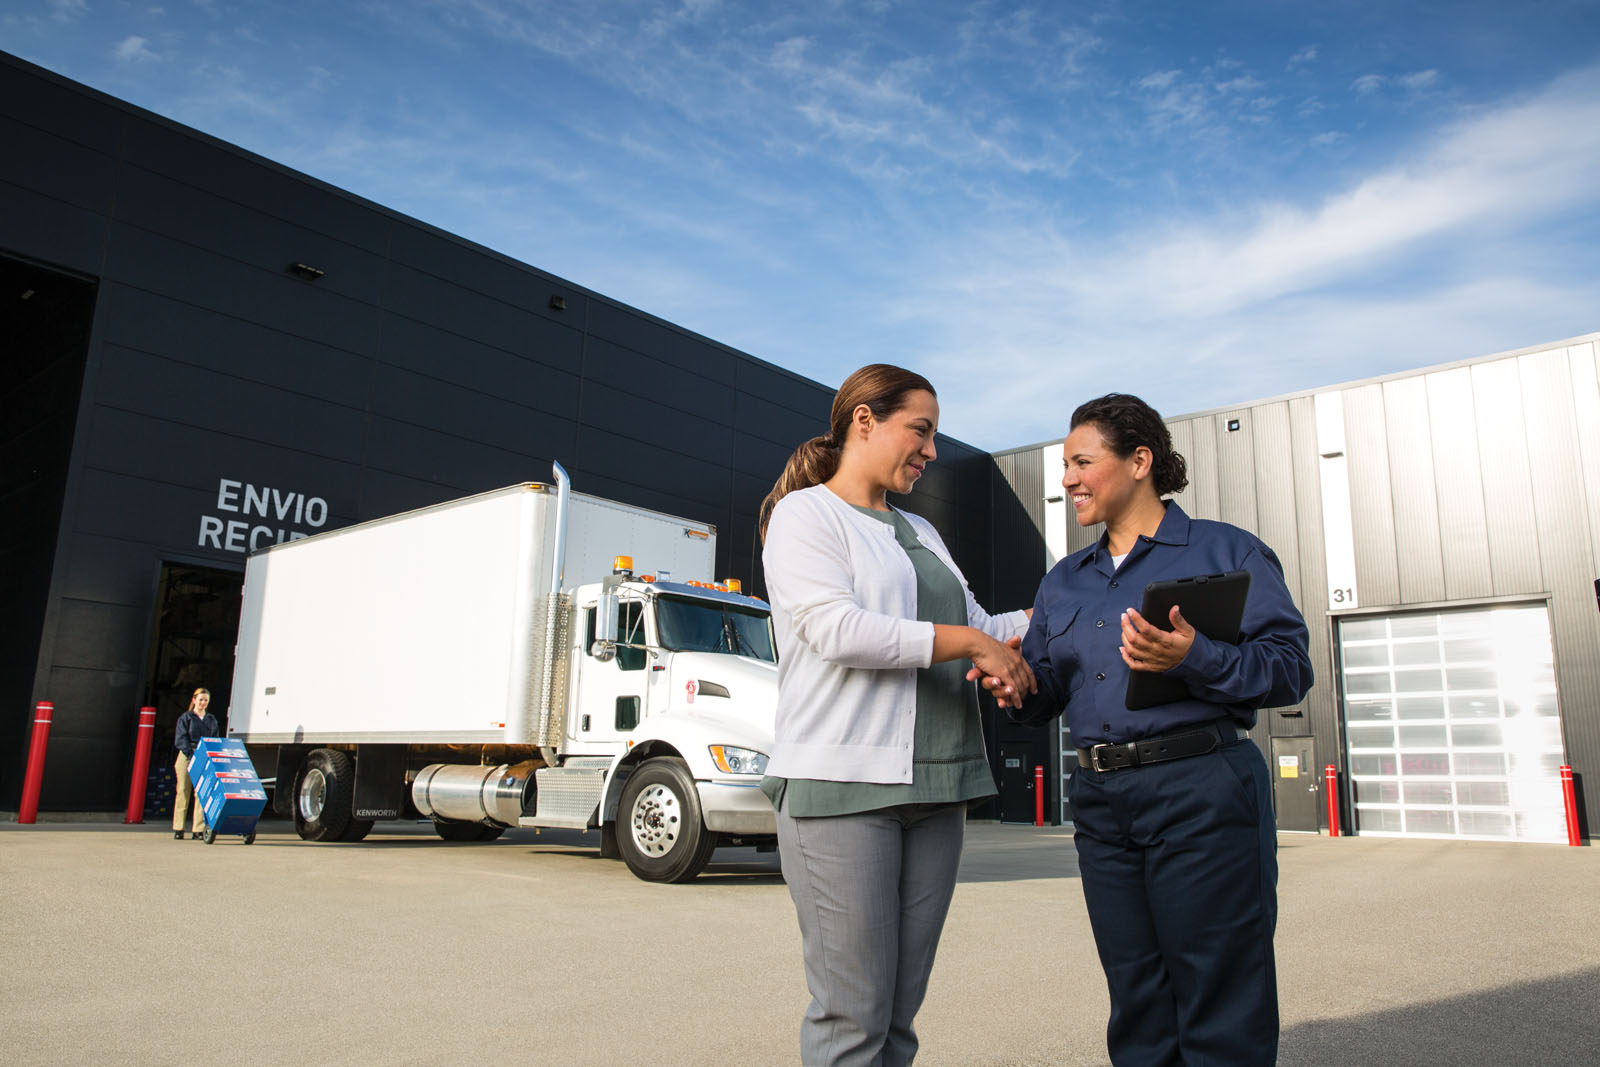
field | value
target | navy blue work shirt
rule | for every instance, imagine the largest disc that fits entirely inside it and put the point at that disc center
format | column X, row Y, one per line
column 191, row 728
column 1074, row 639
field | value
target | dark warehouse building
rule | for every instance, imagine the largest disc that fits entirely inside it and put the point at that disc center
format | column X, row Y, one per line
column 208, row 352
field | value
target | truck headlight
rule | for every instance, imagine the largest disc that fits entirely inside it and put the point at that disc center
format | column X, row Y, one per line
column 731, row 760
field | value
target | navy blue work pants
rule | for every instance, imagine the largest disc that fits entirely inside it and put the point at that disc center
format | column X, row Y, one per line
column 1180, row 873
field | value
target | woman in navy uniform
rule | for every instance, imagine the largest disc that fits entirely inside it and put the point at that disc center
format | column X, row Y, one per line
column 1176, row 843
column 194, row 725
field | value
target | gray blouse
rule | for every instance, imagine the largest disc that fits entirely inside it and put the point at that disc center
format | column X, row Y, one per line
column 948, row 760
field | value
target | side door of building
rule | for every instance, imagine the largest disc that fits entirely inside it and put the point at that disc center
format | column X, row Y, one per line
column 1295, row 782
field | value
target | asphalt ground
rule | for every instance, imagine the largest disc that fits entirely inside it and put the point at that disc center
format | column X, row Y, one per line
column 123, row 946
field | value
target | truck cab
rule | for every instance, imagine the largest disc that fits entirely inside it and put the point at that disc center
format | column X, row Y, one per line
column 674, row 684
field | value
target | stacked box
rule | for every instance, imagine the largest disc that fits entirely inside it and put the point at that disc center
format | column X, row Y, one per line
column 228, row 753
column 225, row 783
column 159, row 790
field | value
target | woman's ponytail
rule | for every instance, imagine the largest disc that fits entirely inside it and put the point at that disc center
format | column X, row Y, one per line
column 811, row 464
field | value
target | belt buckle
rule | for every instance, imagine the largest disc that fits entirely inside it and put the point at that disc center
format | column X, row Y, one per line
column 1094, row 758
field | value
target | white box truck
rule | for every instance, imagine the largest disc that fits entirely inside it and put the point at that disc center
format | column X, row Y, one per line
column 491, row 662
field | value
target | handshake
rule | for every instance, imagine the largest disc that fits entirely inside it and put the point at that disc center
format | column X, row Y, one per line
column 1004, row 672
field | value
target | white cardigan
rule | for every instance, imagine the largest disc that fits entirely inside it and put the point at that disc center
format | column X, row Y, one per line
column 844, row 605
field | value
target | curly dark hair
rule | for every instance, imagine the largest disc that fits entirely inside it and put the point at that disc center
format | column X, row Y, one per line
column 1127, row 423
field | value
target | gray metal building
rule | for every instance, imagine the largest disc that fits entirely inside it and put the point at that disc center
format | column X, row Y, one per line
column 1440, row 529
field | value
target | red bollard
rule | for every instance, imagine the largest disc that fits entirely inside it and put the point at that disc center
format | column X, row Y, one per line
column 141, row 766
column 1038, row 794
column 1569, row 796
column 1330, row 779
column 34, row 777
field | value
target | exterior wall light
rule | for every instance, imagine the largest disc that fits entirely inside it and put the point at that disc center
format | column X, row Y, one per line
column 306, row 271
column 558, row 303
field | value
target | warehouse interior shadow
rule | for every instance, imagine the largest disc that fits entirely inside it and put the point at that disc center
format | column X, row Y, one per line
column 196, row 629
column 1551, row 1021
column 193, row 634
column 45, row 317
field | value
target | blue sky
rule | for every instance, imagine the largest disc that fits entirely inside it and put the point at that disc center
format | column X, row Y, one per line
column 1203, row 203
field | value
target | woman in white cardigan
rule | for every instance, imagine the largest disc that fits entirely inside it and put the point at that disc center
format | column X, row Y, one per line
column 879, row 747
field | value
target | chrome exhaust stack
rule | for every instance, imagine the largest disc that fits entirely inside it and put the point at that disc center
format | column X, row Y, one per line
column 558, row 565
column 550, row 684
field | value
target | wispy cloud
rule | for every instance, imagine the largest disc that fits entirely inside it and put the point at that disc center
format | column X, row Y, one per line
column 133, row 49
column 1242, row 84
column 1415, row 82
column 1184, row 366
column 1533, row 158
column 1174, row 101
column 1194, row 298
column 1306, row 55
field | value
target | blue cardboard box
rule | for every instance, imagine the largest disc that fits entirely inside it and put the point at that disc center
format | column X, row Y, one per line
column 225, row 783
column 225, row 749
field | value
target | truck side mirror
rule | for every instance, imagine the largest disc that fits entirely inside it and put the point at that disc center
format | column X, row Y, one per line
column 605, row 625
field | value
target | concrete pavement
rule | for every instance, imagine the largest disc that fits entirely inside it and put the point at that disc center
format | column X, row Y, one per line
column 124, row 946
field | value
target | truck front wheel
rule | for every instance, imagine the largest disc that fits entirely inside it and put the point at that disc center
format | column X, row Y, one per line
column 660, row 832
column 323, row 792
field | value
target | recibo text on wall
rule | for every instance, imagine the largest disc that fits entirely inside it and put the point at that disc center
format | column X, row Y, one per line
column 254, row 516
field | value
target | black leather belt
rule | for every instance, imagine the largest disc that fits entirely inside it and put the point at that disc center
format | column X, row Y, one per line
column 1190, row 741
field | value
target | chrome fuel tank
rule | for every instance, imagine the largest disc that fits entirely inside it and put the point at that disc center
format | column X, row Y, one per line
column 465, row 793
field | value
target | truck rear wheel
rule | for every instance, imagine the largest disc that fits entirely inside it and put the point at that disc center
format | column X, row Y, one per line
column 323, row 791
column 356, row 830
column 660, row 832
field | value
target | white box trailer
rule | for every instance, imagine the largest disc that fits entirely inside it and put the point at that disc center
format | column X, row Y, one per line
column 489, row 663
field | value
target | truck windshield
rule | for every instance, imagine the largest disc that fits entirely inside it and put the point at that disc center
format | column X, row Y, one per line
column 688, row 625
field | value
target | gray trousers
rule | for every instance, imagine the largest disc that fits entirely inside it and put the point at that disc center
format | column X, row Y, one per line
column 871, row 891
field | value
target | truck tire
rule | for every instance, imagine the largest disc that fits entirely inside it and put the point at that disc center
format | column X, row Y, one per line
column 466, row 831
column 323, row 791
column 356, row 830
column 660, row 832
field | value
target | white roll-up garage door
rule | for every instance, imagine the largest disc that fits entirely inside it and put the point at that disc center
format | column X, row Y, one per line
column 1452, row 726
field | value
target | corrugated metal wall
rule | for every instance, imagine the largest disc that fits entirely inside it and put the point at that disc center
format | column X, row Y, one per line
column 1469, row 481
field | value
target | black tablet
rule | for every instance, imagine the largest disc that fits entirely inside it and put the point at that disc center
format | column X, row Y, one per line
column 1212, row 603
